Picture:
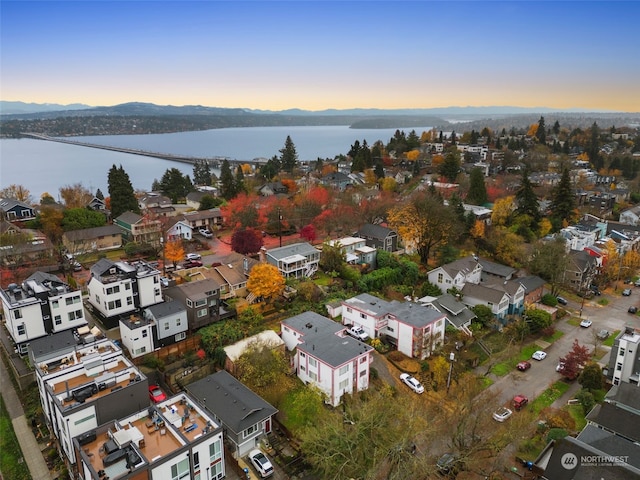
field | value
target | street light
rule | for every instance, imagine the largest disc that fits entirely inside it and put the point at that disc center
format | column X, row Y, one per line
column 452, row 357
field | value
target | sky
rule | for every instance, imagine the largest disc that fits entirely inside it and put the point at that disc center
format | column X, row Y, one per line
column 317, row 55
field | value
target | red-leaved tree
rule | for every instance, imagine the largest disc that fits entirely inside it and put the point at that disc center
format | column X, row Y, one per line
column 572, row 364
column 308, row 232
column 246, row 241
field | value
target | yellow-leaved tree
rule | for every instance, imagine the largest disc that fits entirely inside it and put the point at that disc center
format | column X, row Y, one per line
column 413, row 155
column 266, row 281
column 502, row 210
column 173, row 251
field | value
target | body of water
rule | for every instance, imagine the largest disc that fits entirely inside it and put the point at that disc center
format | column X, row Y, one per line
column 43, row 166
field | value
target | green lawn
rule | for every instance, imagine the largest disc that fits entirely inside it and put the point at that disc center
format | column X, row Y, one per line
column 574, row 321
column 577, row 414
column 502, row 368
column 11, row 462
column 609, row 341
column 552, row 338
column 549, row 396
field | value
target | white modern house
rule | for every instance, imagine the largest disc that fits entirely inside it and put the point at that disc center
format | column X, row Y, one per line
column 414, row 329
column 120, row 288
column 356, row 250
column 174, row 439
column 85, row 385
column 42, row 305
column 456, row 274
column 179, row 230
column 324, row 356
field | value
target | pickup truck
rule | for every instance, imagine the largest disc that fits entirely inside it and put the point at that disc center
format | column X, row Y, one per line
column 358, row 332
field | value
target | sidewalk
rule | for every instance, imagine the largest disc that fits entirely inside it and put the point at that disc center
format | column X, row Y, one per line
column 30, row 449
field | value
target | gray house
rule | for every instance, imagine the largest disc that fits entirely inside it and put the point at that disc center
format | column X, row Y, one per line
column 245, row 417
column 298, row 260
column 379, row 237
column 202, row 301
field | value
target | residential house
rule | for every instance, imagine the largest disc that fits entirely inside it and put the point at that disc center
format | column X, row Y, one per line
column 579, row 238
column 265, row 339
column 94, row 239
column 179, row 229
column 415, row 330
column 136, row 228
column 245, row 417
column 581, row 270
column 457, row 313
column 533, row 288
column 98, row 205
column 193, row 199
column 356, row 251
column 153, row 200
column 42, row 305
column 232, row 273
column 624, row 360
column 324, row 356
column 117, row 289
column 84, row 386
column 16, row 211
column 210, row 219
column 379, row 237
column 272, row 188
column 456, row 274
column 26, row 248
column 202, row 301
column 516, row 292
column 631, row 216
column 337, row 180
column 480, row 213
column 159, row 325
column 496, row 300
column 298, row 260
column 495, row 272
column 175, row 438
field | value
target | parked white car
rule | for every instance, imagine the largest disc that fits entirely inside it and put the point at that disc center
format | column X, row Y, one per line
column 502, row 414
column 193, row 256
column 205, row 232
column 412, row 383
column 261, row 463
column 539, row 355
column 358, row 332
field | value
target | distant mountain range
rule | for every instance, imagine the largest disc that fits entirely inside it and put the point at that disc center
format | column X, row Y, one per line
column 138, row 108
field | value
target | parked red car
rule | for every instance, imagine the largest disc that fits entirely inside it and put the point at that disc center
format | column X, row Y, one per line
column 156, row 395
column 522, row 366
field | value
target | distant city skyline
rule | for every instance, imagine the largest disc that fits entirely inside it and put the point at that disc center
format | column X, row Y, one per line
column 317, row 55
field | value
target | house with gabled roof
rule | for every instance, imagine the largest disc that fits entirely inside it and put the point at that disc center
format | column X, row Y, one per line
column 533, row 288
column 581, row 270
column 631, row 216
column 496, row 300
column 356, row 250
column 16, row 211
column 202, row 301
column 492, row 271
column 379, row 237
column 94, row 239
column 272, row 188
column 457, row 313
column 210, row 219
column 246, row 418
column 298, row 260
column 516, row 292
column 337, row 180
column 415, row 330
column 457, row 273
column 137, row 228
column 179, row 229
column 325, row 356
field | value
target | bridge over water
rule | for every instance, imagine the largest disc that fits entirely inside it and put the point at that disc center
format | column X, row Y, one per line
column 213, row 161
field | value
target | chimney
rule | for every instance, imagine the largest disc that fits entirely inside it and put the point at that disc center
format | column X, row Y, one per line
column 263, row 254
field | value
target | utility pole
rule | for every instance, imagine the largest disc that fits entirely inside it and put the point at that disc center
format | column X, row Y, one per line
column 452, row 357
column 280, row 226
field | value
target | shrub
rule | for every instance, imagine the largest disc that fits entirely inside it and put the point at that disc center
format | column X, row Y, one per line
column 585, row 397
column 549, row 300
column 556, row 434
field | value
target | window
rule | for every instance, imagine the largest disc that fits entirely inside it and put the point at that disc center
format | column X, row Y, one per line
column 215, row 451
column 619, row 366
column 17, row 314
column 180, row 336
column 363, row 315
column 201, row 302
column 189, row 303
column 21, row 329
column 127, row 286
column 213, row 302
column 180, row 470
column 145, row 333
column 77, row 315
column 210, row 293
column 112, row 290
column 363, row 359
column 390, row 329
column 156, row 279
column 302, row 369
column 156, row 291
column 302, row 355
column 178, row 322
column 141, row 350
column 343, row 384
column 85, row 419
column 202, row 313
column 57, row 319
column 196, row 460
column 440, row 278
column 363, row 373
column 313, row 376
column 97, row 299
column 621, row 352
column 166, row 325
column 55, row 304
column 344, row 369
column 249, row 431
column 349, row 310
column 313, row 362
column 114, row 304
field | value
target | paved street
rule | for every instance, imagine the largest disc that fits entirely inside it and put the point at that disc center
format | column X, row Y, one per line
column 534, row 381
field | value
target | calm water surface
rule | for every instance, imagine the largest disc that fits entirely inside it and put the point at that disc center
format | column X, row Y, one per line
column 43, row 166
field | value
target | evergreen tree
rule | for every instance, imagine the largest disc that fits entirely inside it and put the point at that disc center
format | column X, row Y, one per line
column 563, row 202
column 413, row 141
column 477, row 189
column 227, row 182
column 526, row 199
column 123, row 198
column 541, row 132
column 456, row 204
column 556, row 127
column 175, row 185
column 288, row 155
column 99, row 194
column 379, row 170
column 593, row 148
column 450, row 167
column 201, row 172
column 365, row 152
column 354, row 150
column 239, row 182
column 270, row 169
column 454, row 139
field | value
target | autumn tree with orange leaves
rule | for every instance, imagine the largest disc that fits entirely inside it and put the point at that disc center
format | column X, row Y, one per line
column 242, row 211
column 265, row 281
column 174, row 251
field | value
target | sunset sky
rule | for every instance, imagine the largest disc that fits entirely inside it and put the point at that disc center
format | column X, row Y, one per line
column 316, row 55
